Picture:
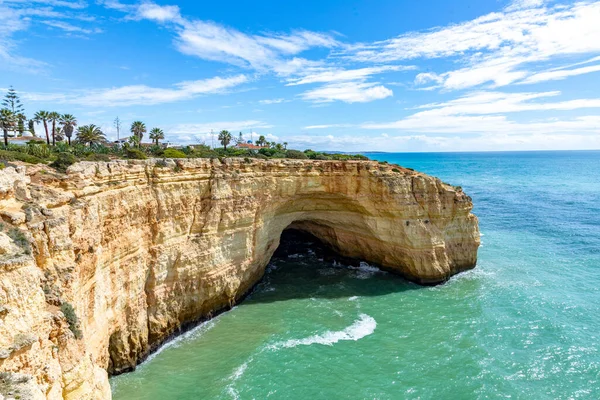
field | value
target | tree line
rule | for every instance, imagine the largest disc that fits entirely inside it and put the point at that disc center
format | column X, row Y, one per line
column 58, row 126
column 225, row 138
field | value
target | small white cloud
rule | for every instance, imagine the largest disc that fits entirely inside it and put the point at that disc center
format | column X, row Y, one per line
column 340, row 75
column 158, row 13
column 327, row 126
column 272, row 101
column 68, row 27
column 524, row 5
column 427, row 77
column 348, row 92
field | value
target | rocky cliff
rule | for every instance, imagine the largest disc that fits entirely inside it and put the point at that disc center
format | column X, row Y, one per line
column 140, row 248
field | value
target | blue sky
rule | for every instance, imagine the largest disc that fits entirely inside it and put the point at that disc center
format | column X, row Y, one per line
column 329, row 75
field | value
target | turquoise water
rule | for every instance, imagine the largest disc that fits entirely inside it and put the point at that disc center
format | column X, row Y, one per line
column 525, row 324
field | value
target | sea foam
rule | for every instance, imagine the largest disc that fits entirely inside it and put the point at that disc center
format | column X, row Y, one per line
column 363, row 326
column 193, row 333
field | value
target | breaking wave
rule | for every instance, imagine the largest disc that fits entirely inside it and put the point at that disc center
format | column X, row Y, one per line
column 364, row 326
column 192, row 334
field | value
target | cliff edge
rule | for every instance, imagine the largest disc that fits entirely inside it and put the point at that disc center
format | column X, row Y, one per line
column 99, row 266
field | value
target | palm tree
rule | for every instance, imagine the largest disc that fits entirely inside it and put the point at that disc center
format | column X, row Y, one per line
column 138, row 128
column 68, row 122
column 8, row 121
column 285, row 145
column 53, row 117
column 43, row 116
column 90, row 134
column 59, row 134
column 261, row 141
column 157, row 134
column 225, row 138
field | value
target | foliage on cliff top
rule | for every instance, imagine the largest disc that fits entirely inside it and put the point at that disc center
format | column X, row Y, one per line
column 62, row 155
column 63, row 161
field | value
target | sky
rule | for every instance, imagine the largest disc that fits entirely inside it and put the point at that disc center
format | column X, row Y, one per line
column 345, row 75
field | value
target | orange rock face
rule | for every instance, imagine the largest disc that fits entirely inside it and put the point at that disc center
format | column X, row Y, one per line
column 141, row 248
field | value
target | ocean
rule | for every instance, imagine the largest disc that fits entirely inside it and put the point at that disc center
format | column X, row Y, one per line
column 524, row 324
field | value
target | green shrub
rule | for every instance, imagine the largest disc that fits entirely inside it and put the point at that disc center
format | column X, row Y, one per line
column 2, row 165
column 174, row 153
column 267, row 151
column 60, row 147
column 19, row 238
column 395, row 170
column 71, row 317
column 295, row 154
column 63, row 161
column 38, row 150
column 99, row 148
column 200, row 151
column 135, row 154
column 80, row 150
column 98, row 157
column 158, row 151
column 16, row 156
column 321, row 156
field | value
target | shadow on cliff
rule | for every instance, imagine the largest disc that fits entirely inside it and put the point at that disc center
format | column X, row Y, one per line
column 304, row 267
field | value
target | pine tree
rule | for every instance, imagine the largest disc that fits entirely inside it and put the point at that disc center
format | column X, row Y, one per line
column 12, row 102
column 31, row 125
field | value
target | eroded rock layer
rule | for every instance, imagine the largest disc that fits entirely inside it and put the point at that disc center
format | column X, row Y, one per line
column 141, row 248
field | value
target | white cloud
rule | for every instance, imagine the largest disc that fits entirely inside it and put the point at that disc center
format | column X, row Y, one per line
column 12, row 22
column 158, row 13
column 115, row 5
column 479, row 113
column 201, row 132
column 524, row 4
column 497, row 47
column 142, row 94
column 211, row 41
column 65, row 26
column 560, row 74
column 54, row 3
column 327, row 126
column 348, row 92
column 421, row 142
column 338, row 74
column 272, row 101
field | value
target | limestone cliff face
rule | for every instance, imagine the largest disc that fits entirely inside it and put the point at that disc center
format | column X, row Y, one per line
column 141, row 248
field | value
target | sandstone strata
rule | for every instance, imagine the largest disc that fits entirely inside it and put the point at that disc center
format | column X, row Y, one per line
column 141, row 248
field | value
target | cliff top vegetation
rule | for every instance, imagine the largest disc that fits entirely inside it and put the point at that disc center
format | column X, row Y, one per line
column 60, row 148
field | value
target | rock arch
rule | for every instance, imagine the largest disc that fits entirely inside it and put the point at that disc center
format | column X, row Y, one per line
column 141, row 249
